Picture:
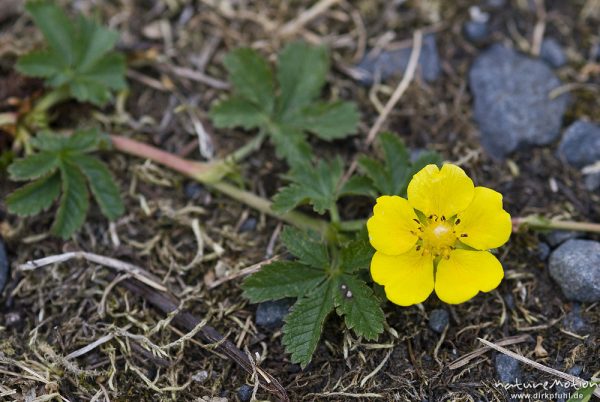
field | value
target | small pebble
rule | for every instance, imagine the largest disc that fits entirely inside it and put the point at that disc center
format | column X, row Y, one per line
column 249, row 225
column 575, row 267
column 574, row 322
column 195, row 191
column 476, row 31
column 592, row 181
column 200, row 376
column 552, row 53
column 557, row 237
column 508, row 369
column 543, row 251
column 438, row 319
column 245, row 393
column 580, row 144
column 270, row 314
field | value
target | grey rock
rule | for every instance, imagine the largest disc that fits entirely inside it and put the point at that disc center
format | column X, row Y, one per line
column 438, row 319
column 270, row 314
column 4, row 266
column 508, row 369
column 543, row 251
column 194, row 191
column 389, row 63
column 476, row 31
column 576, row 371
column 592, row 181
column 556, row 237
column 574, row 322
column 512, row 104
column 249, row 225
column 580, row 145
column 245, row 393
column 552, row 53
column 575, row 266
column 496, row 3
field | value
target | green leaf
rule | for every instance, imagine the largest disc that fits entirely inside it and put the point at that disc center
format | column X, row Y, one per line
column 281, row 279
column 356, row 255
column 102, row 184
column 308, row 249
column 48, row 141
column 426, row 158
column 329, row 121
column 359, row 306
column 33, row 166
column 317, row 185
column 291, row 145
column 252, row 77
column 304, row 324
column 78, row 58
column 86, row 141
column 74, row 202
column 302, row 70
column 237, row 112
column 34, row 197
column 41, row 64
column 56, row 27
column 358, row 185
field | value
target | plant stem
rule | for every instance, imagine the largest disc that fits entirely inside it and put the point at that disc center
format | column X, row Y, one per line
column 251, row 146
column 8, row 118
column 540, row 223
column 50, row 99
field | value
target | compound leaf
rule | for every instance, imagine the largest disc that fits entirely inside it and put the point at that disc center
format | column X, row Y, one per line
column 281, row 279
column 34, row 197
column 304, row 324
column 356, row 255
column 329, row 121
column 56, row 27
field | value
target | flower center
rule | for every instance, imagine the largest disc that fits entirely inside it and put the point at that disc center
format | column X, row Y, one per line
column 438, row 236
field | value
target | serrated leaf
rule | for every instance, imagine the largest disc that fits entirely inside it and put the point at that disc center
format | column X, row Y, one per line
column 358, row 185
column 93, row 43
column 33, row 166
column 317, row 185
column 74, row 202
column 56, row 27
column 329, row 121
column 304, row 324
column 251, row 77
column 302, row 70
column 308, row 249
column 237, row 112
column 584, row 394
column 34, row 197
column 86, row 141
column 359, row 306
column 356, row 255
column 102, row 184
column 282, row 279
column 41, row 64
column 291, row 145
column 424, row 159
column 48, row 141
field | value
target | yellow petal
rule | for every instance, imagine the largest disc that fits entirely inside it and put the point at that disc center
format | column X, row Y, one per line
column 441, row 192
column 407, row 278
column 392, row 229
column 465, row 273
column 484, row 221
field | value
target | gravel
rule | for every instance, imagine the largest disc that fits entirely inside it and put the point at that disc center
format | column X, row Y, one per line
column 245, row 393
column 556, row 237
column 552, row 53
column 543, row 251
column 580, row 145
column 512, row 100
column 4, row 266
column 476, row 31
column 508, row 369
column 438, row 319
column 393, row 63
column 270, row 314
column 575, row 266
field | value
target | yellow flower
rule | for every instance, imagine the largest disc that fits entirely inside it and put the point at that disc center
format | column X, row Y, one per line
column 438, row 238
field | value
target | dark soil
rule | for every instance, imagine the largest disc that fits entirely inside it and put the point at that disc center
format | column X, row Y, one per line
column 48, row 313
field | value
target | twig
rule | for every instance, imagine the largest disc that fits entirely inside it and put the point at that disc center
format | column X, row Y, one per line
column 549, row 370
column 243, row 272
column 308, row 15
column 463, row 360
column 135, row 271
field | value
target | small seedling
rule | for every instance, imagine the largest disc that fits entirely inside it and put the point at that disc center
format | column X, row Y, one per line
column 63, row 165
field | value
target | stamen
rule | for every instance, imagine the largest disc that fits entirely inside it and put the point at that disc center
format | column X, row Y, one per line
column 464, row 235
column 456, row 222
column 418, row 248
column 443, row 218
column 418, row 221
